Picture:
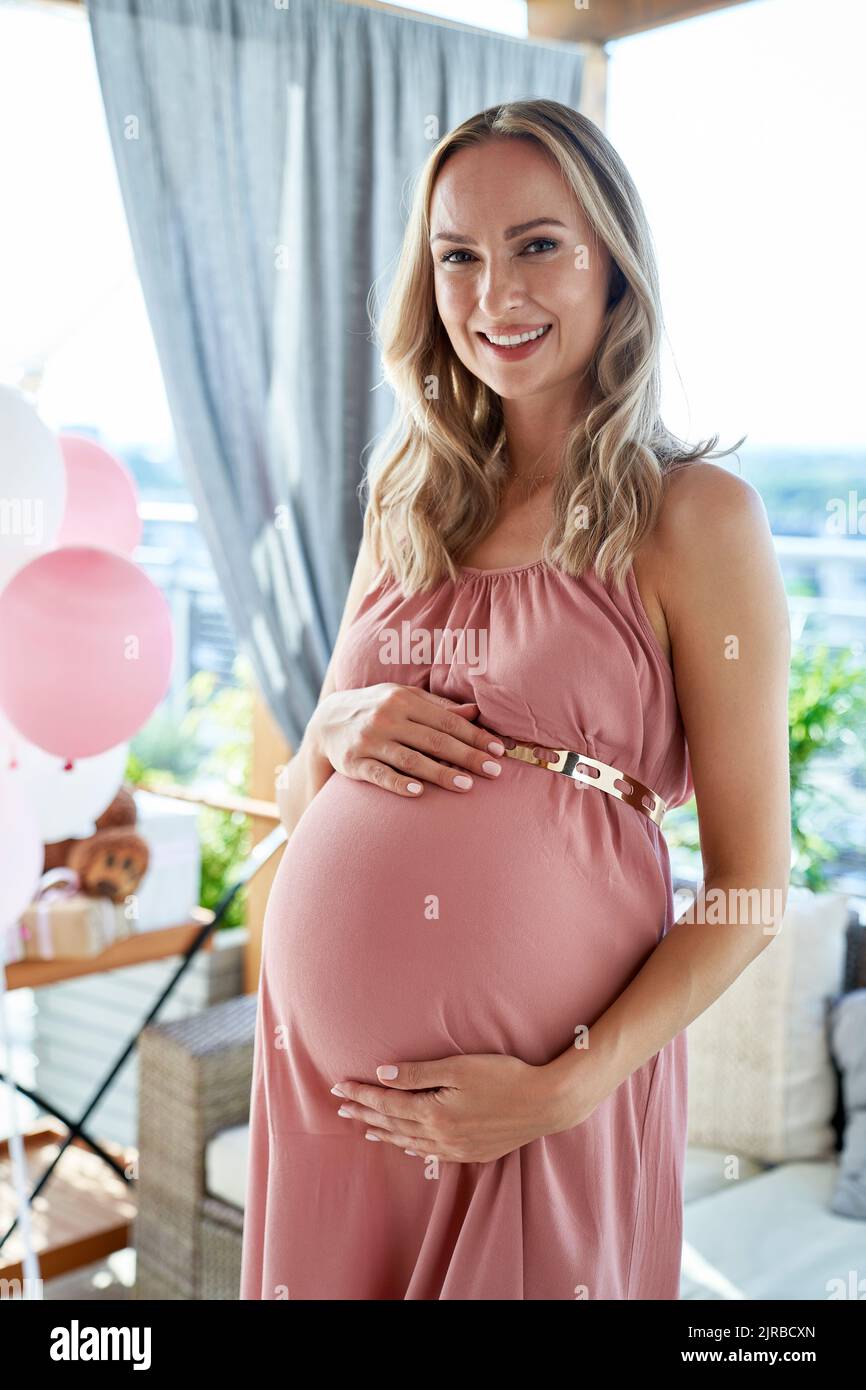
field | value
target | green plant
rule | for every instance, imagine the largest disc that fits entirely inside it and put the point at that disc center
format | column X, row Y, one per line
column 211, row 745
column 826, row 718
column 827, row 710
column 225, row 844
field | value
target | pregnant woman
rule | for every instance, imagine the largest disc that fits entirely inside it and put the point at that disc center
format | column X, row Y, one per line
column 470, row 1061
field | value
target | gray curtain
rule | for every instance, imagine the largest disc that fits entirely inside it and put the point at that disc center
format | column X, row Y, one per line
column 263, row 149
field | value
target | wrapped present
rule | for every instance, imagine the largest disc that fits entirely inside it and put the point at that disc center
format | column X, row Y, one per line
column 63, row 923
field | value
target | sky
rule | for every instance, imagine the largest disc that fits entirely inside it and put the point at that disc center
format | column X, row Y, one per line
column 744, row 131
column 68, row 287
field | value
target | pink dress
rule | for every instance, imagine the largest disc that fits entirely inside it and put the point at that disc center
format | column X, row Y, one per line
column 547, row 897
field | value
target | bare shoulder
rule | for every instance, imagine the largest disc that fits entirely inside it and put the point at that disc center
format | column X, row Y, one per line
column 705, row 495
column 712, row 523
column 714, row 556
column 712, row 528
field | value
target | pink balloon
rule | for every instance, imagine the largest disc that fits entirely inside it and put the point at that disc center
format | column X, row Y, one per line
column 85, row 650
column 101, row 498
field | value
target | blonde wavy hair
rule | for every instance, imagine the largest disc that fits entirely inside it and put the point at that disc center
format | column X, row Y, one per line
column 434, row 482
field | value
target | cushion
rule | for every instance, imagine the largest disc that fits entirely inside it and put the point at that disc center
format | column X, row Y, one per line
column 848, row 1040
column 711, row 1170
column 225, row 1165
column 774, row 1237
column 761, row 1078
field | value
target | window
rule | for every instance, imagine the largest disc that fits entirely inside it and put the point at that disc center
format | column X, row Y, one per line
column 75, row 334
column 744, row 131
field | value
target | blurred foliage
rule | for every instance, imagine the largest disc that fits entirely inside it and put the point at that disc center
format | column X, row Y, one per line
column 803, row 587
column 210, row 747
column 827, row 715
column 162, row 751
column 826, row 720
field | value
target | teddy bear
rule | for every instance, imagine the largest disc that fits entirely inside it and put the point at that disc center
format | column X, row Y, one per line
column 112, row 862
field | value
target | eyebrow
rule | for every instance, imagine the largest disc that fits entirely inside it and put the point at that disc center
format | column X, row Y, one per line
column 510, row 232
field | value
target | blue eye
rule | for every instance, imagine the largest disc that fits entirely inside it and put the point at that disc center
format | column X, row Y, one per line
column 546, row 244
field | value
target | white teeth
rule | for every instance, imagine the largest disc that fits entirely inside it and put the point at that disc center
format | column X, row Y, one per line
column 514, row 339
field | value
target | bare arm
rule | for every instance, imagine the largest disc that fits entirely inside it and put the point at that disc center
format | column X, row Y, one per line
column 308, row 770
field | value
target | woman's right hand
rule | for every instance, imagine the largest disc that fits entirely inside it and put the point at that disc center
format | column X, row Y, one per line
column 400, row 737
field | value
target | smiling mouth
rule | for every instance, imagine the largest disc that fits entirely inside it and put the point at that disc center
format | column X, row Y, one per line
column 515, row 340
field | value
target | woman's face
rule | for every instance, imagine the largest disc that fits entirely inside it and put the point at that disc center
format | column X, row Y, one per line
column 513, row 254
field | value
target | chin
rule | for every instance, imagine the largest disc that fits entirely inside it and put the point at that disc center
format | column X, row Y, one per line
column 514, row 391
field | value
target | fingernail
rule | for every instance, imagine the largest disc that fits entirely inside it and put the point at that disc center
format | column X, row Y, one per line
column 410, row 1152
column 343, row 1111
column 496, row 747
column 493, row 769
column 375, row 1138
column 463, row 781
column 413, row 787
column 335, row 1091
column 386, row 1073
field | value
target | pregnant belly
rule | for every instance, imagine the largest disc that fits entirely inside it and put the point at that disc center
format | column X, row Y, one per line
column 496, row 921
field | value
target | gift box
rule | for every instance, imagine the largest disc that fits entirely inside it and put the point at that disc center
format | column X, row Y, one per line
column 64, row 924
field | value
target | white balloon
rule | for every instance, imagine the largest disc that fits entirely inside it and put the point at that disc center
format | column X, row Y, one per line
column 21, row 853
column 32, row 484
column 66, row 803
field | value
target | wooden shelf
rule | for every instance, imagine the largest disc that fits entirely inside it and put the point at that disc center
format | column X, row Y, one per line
column 133, row 950
column 246, row 805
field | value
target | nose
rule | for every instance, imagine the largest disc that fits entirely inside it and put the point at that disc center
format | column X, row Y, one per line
column 501, row 290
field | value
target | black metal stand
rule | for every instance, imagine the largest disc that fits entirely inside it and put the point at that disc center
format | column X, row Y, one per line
column 260, row 856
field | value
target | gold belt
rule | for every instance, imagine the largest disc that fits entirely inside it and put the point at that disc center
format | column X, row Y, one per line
column 605, row 778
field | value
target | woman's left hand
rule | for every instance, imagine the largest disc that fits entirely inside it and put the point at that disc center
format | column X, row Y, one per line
column 463, row 1109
